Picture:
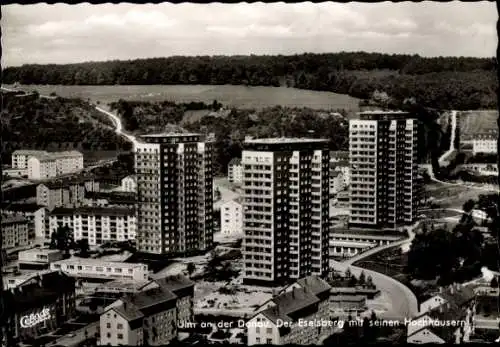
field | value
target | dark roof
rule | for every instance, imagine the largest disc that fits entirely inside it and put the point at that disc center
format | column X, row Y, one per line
column 12, row 219
column 94, row 210
column 30, row 207
column 134, row 304
column 348, row 298
column 339, row 154
column 62, row 183
column 235, row 161
column 175, row 283
column 459, row 295
column 314, row 284
column 41, row 290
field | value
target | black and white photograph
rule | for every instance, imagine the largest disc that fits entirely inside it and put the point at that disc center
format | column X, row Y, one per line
column 249, row 174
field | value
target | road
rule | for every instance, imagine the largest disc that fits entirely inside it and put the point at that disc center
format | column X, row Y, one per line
column 443, row 159
column 79, row 335
column 118, row 124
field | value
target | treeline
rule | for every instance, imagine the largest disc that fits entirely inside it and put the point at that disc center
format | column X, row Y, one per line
column 31, row 122
column 147, row 116
column 444, row 82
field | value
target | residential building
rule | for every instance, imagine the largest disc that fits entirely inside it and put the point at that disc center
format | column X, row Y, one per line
column 339, row 156
column 455, row 306
column 129, row 184
column 38, row 258
column 231, row 216
column 276, row 322
column 150, row 316
column 39, row 306
column 337, row 183
column 17, row 279
column 485, row 143
column 96, row 224
column 348, row 303
column 481, row 169
column 383, row 162
column 15, row 232
column 98, row 269
column 347, row 243
column 34, row 213
column 174, row 193
column 285, row 209
column 116, row 199
column 235, row 171
column 20, row 157
column 343, row 167
column 49, row 165
column 60, row 194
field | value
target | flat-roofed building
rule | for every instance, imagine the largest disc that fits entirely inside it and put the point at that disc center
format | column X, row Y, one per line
column 35, row 213
column 174, row 193
column 49, row 165
column 96, row 224
column 235, row 171
column 383, row 163
column 20, row 157
column 129, row 184
column 98, row 269
column 231, row 216
column 38, row 258
column 285, row 208
column 16, row 231
column 63, row 193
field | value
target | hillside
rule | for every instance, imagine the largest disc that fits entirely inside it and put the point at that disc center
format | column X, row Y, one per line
column 32, row 122
column 443, row 83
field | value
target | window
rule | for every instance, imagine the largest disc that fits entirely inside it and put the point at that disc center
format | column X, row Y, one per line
column 269, row 341
column 108, row 325
column 120, row 336
column 269, row 331
column 119, row 326
column 257, row 330
column 108, row 335
column 257, row 339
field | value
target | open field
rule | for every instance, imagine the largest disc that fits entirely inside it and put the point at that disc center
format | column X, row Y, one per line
column 476, row 122
column 447, row 196
column 228, row 95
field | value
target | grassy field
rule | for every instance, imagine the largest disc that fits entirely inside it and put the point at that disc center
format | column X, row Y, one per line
column 229, row 95
column 475, row 122
column 452, row 196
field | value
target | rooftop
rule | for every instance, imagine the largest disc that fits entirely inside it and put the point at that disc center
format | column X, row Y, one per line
column 12, row 219
column 235, row 161
column 170, row 134
column 94, row 210
column 174, row 283
column 98, row 262
column 21, row 207
column 28, row 152
column 277, row 140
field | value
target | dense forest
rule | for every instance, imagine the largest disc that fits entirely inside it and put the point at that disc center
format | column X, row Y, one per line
column 32, row 122
column 444, row 82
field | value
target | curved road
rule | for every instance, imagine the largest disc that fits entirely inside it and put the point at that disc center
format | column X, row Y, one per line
column 119, row 127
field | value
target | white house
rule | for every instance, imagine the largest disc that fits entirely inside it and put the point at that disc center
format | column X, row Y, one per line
column 48, row 165
column 98, row 269
column 235, row 171
column 129, row 184
column 21, row 156
column 231, row 215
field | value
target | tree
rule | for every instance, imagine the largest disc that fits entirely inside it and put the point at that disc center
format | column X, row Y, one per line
column 62, row 239
column 83, row 247
column 494, row 282
column 191, row 268
column 362, row 278
column 468, row 205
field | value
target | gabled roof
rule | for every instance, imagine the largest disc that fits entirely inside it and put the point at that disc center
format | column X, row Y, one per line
column 175, row 283
column 314, row 284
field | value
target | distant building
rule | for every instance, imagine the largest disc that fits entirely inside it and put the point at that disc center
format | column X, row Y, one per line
column 276, row 322
column 285, row 209
column 150, row 316
column 98, row 269
column 485, row 144
column 37, row 258
column 60, row 194
column 21, row 156
column 348, row 243
column 383, row 162
column 34, row 213
column 174, row 193
column 231, row 216
column 15, row 231
column 337, row 183
column 49, row 165
column 129, row 184
column 96, row 224
column 339, row 156
column 39, row 306
column 111, row 199
column 15, row 173
column 343, row 167
column 481, row 169
column 235, row 171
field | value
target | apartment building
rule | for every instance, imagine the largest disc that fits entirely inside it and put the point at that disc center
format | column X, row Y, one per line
column 286, row 209
column 129, row 184
column 235, row 171
column 98, row 269
column 96, row 224
column 38, row 258
column 231, row 217
column 174, row 193
column 15, row 231
column 20, row 157
column 336, row 182
column 150, row 316
column 383, row 163
column 49, row 165
column 342, row 167
column 60, row 194
column 485, row 143
column 34, row 213
column 277, row 322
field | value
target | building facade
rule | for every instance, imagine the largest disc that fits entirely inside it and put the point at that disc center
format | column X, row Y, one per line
column 383, row 163
column 286, row 209
column 39, row 306
column 49, row 165
column 60, row 194
column 231, row 216
column 129, row 184
column 96, row 224
column 37, row 258
column 150, row 316
column 98, row 269
column 174, row 193
column 485, row 144
column 36, row 214
column 235, row 171
column 16, row 232
column 21, row 156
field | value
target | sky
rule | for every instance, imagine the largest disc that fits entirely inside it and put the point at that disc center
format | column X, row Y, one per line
column 61, row 33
